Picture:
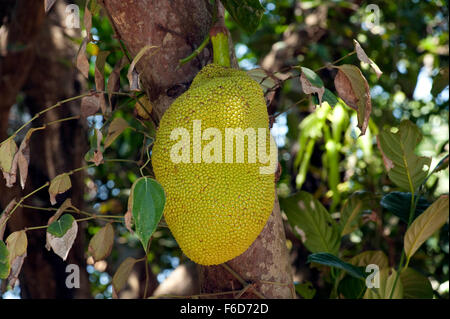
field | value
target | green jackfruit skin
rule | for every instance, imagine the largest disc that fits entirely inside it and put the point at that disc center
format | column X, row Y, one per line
column 214, row 210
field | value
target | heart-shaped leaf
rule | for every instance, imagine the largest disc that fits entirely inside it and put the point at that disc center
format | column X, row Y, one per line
column 60, row 227
column 62, row 245
column 146, row 202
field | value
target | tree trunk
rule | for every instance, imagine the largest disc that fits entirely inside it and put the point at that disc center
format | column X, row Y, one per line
column 38, row 69
column 177, row 27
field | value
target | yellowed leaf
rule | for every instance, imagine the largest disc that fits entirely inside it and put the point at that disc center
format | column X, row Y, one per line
column 143, row 107
column 433, row 218
column 59, row 185
column 17, row 244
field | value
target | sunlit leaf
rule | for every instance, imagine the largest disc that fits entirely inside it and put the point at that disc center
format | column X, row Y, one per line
column 405, row 168
column 370, row 257
column 387, row 278
column 425, row 225
column 311, row 83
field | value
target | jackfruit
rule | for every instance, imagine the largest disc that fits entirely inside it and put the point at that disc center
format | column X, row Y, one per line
column 215, row 209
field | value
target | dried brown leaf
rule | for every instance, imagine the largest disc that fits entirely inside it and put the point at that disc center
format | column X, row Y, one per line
column 8, row 150
column 133, row 76
column 128, row 220
column 82, row 60
column 90, row 105
column 308, row 88
column 16, row 266
column 117, row 126
column 120, row 278
column 352, row 87
column 87, row 20
column 101, row 244
column 114, row 78
column 362, row 56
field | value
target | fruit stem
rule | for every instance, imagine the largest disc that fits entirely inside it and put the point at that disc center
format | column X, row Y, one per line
column 219, row 38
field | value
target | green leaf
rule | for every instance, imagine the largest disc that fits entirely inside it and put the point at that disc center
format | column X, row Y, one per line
column 101, row 244
column 305, row 290
column 146, row 202
column 4, row 261
column 351, row 287
column 425, row 225
column 333, row 261
column 352, row 210
column 415, row 285
column 311, row 223
column 352, row 87
column 376, row 257
column 399, row 204
column 120, row 278
column 59, row 227
column 246, row 13
column 387, row 278
column 404, row 167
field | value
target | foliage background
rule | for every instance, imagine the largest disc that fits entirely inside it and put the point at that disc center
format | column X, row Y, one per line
column 411, row 48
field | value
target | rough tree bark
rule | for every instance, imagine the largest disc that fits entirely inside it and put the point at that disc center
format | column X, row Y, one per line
column 37, row 67
column 177, row 27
